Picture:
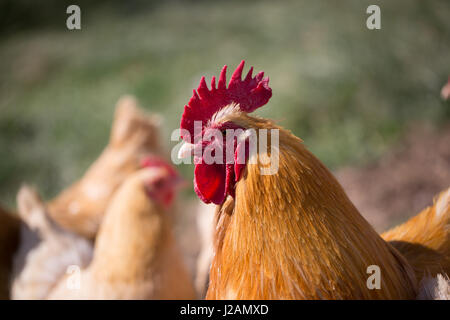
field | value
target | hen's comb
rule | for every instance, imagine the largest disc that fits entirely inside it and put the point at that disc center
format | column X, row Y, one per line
column 250, row 93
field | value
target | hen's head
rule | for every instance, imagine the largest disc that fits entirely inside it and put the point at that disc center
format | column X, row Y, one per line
column 213, row 129
column 161, row 181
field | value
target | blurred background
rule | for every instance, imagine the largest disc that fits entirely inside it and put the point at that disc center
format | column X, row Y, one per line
column 366, row 102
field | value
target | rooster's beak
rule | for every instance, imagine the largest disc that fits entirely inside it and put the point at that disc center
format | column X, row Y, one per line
column 187, row 149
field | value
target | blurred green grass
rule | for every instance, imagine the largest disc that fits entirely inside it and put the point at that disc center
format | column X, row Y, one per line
column 348, row 92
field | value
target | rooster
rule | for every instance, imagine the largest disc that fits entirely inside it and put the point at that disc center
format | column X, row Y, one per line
column 293, row 234
column 134, row 134
column 135, row 255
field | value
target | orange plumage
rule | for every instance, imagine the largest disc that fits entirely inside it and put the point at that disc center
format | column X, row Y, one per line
column 135, row 254
column 424, row 240
column 296, row 235
column 134, row 134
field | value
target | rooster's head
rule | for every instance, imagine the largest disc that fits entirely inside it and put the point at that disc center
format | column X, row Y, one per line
column 213, row 129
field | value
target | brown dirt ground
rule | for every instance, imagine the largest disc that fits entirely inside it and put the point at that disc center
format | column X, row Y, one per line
column 402, row 182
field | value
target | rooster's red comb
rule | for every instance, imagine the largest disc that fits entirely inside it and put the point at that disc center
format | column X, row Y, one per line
column 250, row 93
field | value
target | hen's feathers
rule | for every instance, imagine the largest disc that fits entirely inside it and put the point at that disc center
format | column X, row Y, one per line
column 135, row 254
column 134, row 134
column 205, row 223
column 424, row 240
column 434, row 288
column 9, row 241
column 46, row 250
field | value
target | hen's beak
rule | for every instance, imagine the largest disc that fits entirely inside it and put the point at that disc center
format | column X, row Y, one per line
column 187, row 149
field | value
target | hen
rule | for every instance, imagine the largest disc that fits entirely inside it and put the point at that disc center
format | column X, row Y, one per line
column 46, row 250
column 135, row 255
column 205, row 224
column 134, row 134
column 9, row 242
column 284, row 227
column 52, row 235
